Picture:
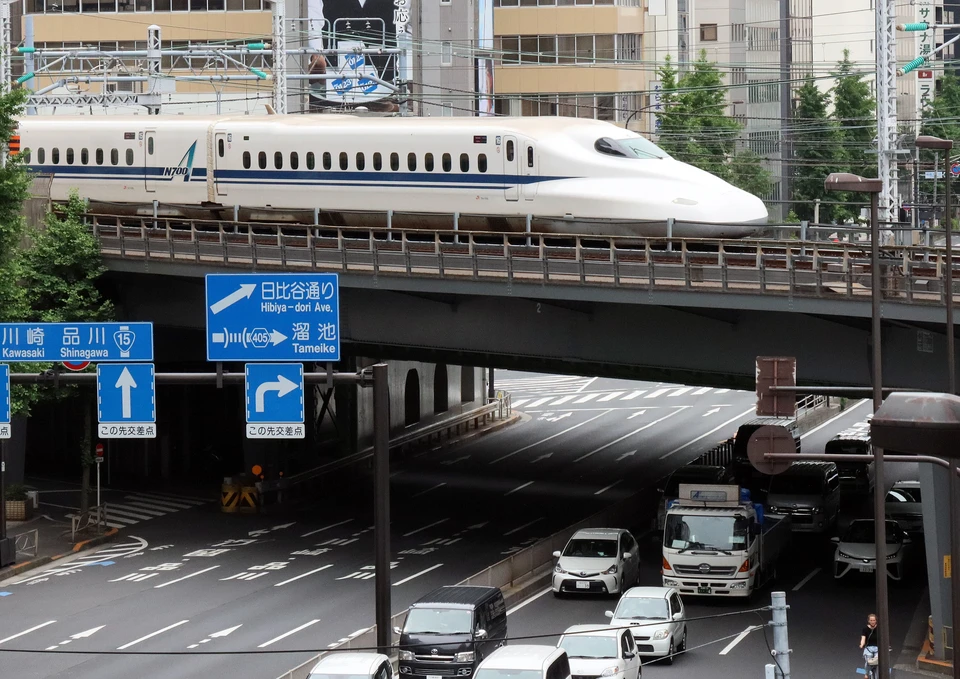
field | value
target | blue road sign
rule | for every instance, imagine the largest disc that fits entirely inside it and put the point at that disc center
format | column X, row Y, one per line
column 274, row 397
column 273, row 317
column 127, row 401
column 5, row 401
column 97, row 342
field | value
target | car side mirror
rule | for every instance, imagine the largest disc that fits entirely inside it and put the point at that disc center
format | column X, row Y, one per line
column 481, row 634
column 629, row 656
column 627, row 555
column 678, row 616
column 556, row 554
column 397, row 630
column 835, row 540
column 609, row 614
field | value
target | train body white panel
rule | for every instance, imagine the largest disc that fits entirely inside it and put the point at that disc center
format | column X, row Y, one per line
column 566, row 172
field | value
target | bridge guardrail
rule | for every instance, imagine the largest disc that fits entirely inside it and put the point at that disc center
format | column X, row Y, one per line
column 911, row 275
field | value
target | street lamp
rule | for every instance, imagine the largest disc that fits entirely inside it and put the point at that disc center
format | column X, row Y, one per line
column 844, row 181
column 945, row 145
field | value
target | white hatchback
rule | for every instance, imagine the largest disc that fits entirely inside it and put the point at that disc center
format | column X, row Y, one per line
column 601, row 652
column 656, row 618
column 597, row 561
column 348, row 665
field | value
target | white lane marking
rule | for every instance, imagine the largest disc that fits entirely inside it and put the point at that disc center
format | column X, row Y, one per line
column 588, row 397
column 553, row 436
column 633, row 394
column 680, row 392
column 721, row 391
column 519, row 402
column 528, row 601
column 637, row 414
column 834, row 418
column 287, row 634
column 417, row 575
column 545, row 456
column 185, row 577
column 658, row 392
column 629, row 453
column 27, row 631
column 320, row 530
column 153, row 504
column 429, row 525
column 160, row 501
column 520, row 528
column 133, row 511
column 151, row 635
column 424, row 492
column 587, row 383
column 712, row 431
column 564, row 399
column 520, row 487
column 604, row 490
column 701, row 391
column 678, row 409
column 740, row 637
column 610, row 397
column 177, row 498
column 807, row 579
column 541, row 401
column 303, row 575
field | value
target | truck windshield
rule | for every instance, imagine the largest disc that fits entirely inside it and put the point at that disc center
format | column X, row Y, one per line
column 705, row 532
column 438, row 621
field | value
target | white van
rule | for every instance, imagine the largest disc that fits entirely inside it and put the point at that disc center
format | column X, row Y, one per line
column 525, row 662
column 348, row 665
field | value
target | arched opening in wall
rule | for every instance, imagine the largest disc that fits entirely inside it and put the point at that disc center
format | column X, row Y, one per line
column 466, row 384
column 411, row 399
column 440, row 389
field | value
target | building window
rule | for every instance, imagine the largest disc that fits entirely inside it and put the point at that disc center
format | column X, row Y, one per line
column 446, row 109
column 738, row 32
column 708, row 32
column 446, row 53
column 739, row 75
column 445, row 2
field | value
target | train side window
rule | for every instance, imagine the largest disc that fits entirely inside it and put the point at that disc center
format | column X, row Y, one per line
column 510, row 150
column 529, row 156
column 428, row 162
column 129, row 156
column 311, row 160
column 344, row 160
column 294, row 160
column 150, row 146
column 69, row 156
column 412, row 162
column 447, row 162
column 221, row 147
column 377, row 162
column 84, row 157
column 99, row 155
column 262, row 160
column 55, row 155
column 41, row 155
column 26, row 156
column 394, row 161
column 327, row 161
column 278, row 159
column 361, row 161
column 464, row 162
column 482, row 162
column 246, row 160
column 114, row 157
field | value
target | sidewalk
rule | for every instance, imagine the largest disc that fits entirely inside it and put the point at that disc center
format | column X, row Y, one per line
column 52, row 542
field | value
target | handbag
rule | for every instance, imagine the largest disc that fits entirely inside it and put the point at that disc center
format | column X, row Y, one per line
column 873, row 660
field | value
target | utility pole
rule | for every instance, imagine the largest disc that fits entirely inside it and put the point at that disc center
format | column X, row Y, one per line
column 886, row 39
column 786, row 103
column 5, row 72
column 279, row 58
column 781, row 643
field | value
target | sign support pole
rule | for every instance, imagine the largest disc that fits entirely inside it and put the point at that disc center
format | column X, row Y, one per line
column 98, row 482
column 7, row 555
column 381, row 504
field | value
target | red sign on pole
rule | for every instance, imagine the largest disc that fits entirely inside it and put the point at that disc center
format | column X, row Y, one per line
column 924, row 75
column 99, row 450
column 76, row 365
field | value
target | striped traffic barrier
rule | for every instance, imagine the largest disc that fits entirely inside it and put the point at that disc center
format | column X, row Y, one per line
column 249, row 500
column 229, row 497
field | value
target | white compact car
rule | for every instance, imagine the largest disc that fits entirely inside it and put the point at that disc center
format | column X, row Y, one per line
column 525, row 662
column 856, row 549
column 597, row 561
column 349, row 665
column 656, row 618
column 903, row 506
column 601, row 652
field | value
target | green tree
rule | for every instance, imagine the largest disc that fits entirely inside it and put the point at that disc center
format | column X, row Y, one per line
column 746, row 171
column 939, row 119
column 817, row 152
column 854, row 110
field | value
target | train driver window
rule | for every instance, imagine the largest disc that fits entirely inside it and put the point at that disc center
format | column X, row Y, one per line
column 55, row 155
column 428, row 162
column 377, row 162
column 99, row 156
column 278, row 159
column 262, row 160
column 464, row 162
column 41, row 155
column 221, row 147
column 246, row 160
column 327, row 161
column 344, row 160
column 412, row 162
column 294, row 160
column 129, row 156
column 84, row 156
column 69, row 156
column 361, row 161
column 510, row 150
column 150, row 146
column 529, row 156
column 482, row 162
column 114, row 157
column 394, row 161
column 311, row 160
column 447, row 163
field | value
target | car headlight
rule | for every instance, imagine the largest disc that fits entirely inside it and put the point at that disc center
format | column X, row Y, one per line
column 558, row 569
column 466, row 656
column 891, row 557
column 742, row 584
column 844, row 554
column 818, row 510
column 610, row 671
column 661, row 634
column 611, row 570
column 667, row 582
column 405, row 655
column 772, row 509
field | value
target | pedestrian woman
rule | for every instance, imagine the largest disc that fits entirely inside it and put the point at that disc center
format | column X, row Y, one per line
column 869, row 642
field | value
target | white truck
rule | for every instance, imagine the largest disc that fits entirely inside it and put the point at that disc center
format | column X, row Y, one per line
column 716, row 542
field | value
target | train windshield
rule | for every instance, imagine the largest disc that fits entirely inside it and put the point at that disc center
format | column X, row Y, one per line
column 634, row 147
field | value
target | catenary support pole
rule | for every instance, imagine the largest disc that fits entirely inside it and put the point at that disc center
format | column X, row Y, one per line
column 279, row 58
column 6, row 549
column 381, row 504
column 781, row 641
column 948, row 231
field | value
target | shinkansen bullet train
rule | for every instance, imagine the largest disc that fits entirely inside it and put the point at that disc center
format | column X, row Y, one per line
column 572, row 175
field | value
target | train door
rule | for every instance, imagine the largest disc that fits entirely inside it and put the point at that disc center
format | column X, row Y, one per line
column 150, row 166
column 528, row 162
column 220, row 161
column 511, row 167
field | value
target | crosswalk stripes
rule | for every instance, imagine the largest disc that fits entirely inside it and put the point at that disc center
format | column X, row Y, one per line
column 609, row 397
column 701, row 391
column 680, row 392
column 613, row 397
column 655, row 394
column 138, row 507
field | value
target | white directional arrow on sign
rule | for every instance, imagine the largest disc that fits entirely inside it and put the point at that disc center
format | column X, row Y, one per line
column 625, row 455
column 276, row 337
column 282, row 386
column 225, row 632
column 125, row 383
column 545, row 456
column 246, row 289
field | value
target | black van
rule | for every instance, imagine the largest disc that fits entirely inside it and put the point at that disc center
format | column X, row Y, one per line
column 855, row 476
column 449, row 631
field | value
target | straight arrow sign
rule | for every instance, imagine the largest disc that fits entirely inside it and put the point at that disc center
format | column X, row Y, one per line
column 125, row 383
column 245, row 291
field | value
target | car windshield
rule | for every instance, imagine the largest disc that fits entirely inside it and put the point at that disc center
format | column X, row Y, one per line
column 589, row 548
column 903, row 495
column 861, row 532
column 800, row 484
column 633, row 147
column 328, row 675
column 705, row 532
column 583, row 646
column 638, row 608
column 491, row 673
column 438, row 621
